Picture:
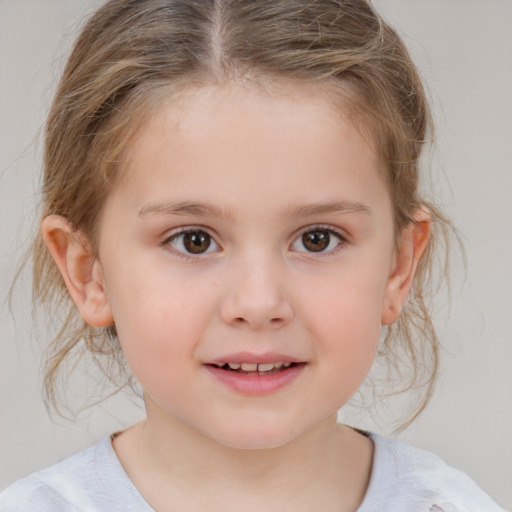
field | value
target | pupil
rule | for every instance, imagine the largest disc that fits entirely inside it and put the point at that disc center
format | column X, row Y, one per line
column 196, row 242
column 316, row 241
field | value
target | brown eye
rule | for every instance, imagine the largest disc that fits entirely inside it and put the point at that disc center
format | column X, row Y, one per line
column 196, row 242
column 192, row 242
column 316, row 241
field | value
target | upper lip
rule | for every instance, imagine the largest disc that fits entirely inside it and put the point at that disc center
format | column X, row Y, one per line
column 251, row 357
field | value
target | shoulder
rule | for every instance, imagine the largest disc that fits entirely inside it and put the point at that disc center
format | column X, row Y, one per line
column 32, row 494
column 417, row 480
column 48, row 489
column 91, row 480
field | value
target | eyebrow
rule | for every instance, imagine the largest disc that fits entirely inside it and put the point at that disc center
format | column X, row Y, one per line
column 208, row 210
column 330, row 207
column 185, row 208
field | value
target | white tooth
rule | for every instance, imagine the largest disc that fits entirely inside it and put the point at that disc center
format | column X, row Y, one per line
column 220, row 365
column 249, row 367
column 266, row 367
column 287, row 364
column 234, row 366
column 279, row 364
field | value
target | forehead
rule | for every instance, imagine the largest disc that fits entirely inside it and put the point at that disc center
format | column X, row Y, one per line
column 181, row 104
column 252, row 140
column 279, row 103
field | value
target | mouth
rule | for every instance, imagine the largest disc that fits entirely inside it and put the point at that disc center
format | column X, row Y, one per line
column 256, row 378
column 256, row 368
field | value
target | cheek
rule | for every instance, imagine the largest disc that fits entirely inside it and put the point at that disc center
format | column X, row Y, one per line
column 344, row 317
column 159, row 321
column 348, row 302
column 348, row 334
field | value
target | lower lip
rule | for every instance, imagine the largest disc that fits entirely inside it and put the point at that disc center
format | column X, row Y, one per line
column 257, row 385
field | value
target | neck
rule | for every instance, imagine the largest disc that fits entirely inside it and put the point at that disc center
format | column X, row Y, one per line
column 322, row 469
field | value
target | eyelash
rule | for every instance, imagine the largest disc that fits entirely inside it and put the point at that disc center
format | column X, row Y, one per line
column 182, row 232
column 342, row 241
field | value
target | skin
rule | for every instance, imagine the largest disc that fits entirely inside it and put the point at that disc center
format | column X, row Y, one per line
column 266, row 166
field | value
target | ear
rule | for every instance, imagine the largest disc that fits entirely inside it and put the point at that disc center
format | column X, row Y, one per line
column 80, row 269
column 413, row 242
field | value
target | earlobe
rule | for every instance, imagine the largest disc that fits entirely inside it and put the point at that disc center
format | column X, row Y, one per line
column 80, row 269
column 413, row 242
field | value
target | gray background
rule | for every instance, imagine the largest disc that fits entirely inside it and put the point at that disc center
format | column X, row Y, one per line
column 464, row 50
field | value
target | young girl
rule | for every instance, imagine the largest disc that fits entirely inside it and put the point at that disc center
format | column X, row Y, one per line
column 231, row 208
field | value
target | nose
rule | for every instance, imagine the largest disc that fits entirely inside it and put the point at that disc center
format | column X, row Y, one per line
column 255, row 298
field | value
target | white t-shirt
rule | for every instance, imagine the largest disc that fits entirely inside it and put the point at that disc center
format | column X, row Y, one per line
column 404, row 479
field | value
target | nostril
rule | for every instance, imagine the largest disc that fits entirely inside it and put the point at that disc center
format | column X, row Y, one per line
column 276, row 321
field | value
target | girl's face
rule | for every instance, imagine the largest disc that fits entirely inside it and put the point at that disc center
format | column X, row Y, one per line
column 248, row 229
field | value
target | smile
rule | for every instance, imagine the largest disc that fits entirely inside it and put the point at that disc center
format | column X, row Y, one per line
column 256, row 379
column 255, row 368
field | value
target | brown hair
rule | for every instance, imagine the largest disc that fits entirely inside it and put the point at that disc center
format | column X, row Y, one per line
column 132, row 52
